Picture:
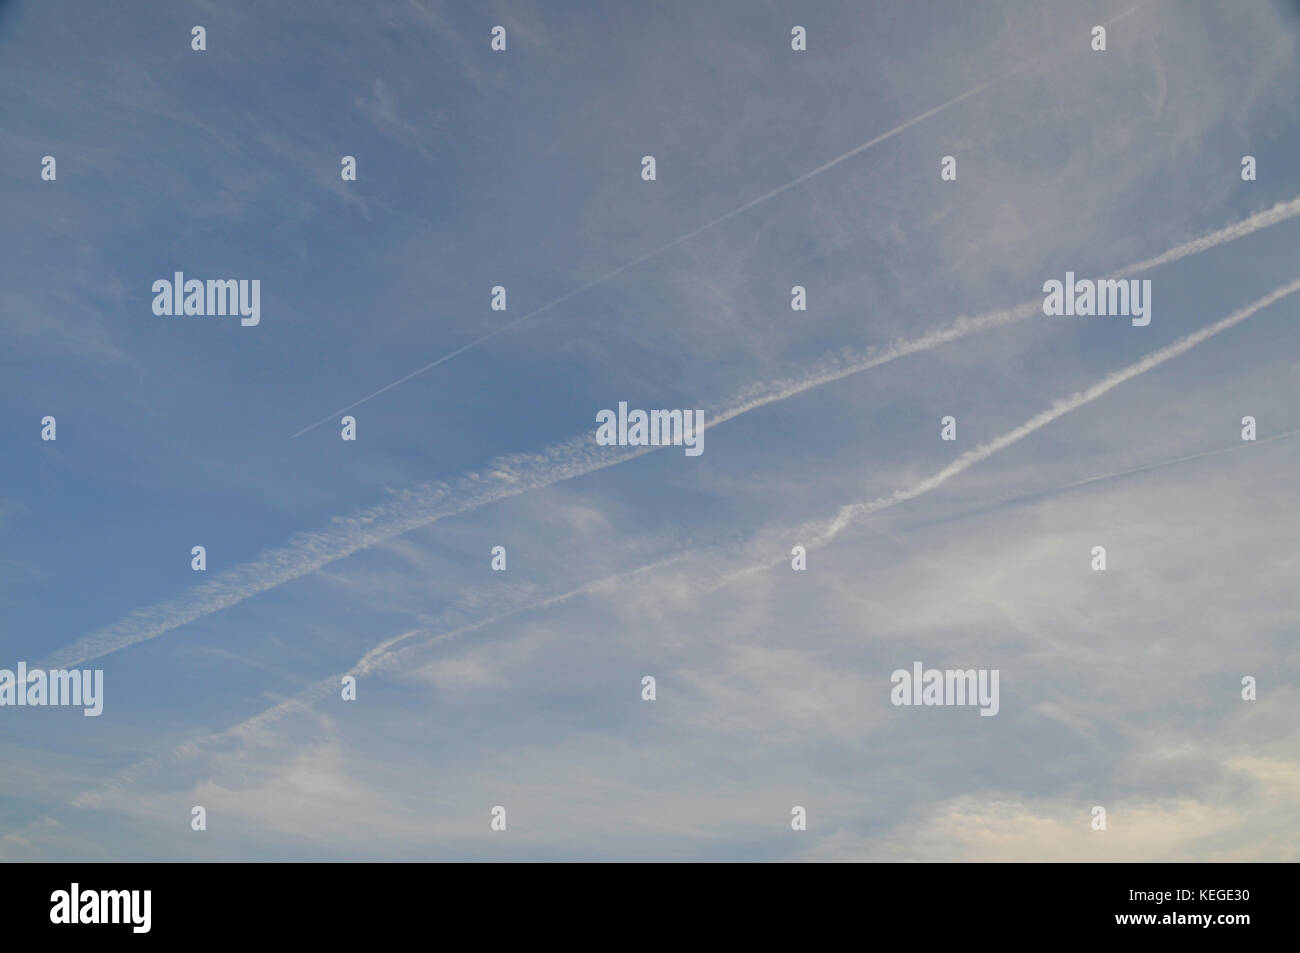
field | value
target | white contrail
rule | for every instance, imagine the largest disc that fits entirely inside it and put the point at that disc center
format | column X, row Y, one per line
column 1016, row 498
column 306, row 552
column 659, row 250
column 1278, row 213
column 823, row 533
column 654, row 252
column 510, row 476
column 855, row 362
column 1287, row 435
column 387, row 656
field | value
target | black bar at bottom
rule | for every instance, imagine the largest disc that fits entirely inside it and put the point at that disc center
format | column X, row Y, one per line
column 660, row 903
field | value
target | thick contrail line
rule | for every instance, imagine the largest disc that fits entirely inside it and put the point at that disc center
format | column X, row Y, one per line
column 855, row 512
column 836, row 370
column 386, row 655
column 1278, row 213
column 510, row 476
column 659, row 250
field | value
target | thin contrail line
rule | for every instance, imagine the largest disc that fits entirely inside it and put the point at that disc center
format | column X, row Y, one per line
column 700, row 229
column 386, row 655
column 1018, row 498
column 506, row 477
column 383, row 656
column 1245, row 444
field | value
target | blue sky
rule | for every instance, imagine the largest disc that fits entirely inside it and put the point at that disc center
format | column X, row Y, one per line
column 522, row 688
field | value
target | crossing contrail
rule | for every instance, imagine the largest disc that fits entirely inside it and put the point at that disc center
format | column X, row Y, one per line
column 510, row 476
column 823, row 533
column 389, row 656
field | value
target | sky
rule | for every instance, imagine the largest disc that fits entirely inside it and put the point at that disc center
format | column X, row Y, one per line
column 522, row 688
